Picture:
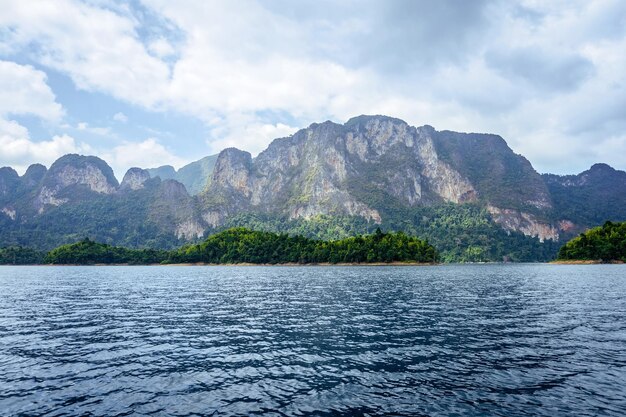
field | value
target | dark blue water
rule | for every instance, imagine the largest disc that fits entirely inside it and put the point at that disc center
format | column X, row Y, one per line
column 508, row 340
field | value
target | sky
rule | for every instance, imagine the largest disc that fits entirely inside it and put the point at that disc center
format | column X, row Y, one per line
column 153, row 82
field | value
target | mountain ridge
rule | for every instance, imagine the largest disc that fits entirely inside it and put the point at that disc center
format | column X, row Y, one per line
column 369, row 170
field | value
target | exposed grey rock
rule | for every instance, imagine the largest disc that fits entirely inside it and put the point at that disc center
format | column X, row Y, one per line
column 326, row 168
column 375, row 167
column 135, row 178
column 8, row 181
column 528, row 224
column 33, row 176
column 9, row 212
column 86, row 172
column 174, row 209
column 194, row 176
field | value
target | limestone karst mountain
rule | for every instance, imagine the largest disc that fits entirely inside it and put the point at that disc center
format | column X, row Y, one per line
column 469, row 193
column 193, row 176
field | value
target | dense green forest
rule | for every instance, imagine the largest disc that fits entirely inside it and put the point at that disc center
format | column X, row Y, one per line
column 239, row 245
column 19, row 255
column 460, row 232
column 88, row 252
column 606, row 243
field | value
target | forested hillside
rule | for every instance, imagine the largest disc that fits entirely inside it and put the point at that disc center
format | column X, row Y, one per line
column 606, row 243
column 241, row 245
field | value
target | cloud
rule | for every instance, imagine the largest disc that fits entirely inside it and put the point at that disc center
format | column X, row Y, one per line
column 547, row 71
column 100, row 131
column 145, row 154
column 161, row 48
column 547, row 76
column 120, row 117
column 23, row 90
column 254, row 137
column 99, row 49
column 19, row 151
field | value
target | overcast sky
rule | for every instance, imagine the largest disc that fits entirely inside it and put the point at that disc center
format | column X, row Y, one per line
column 152, row 82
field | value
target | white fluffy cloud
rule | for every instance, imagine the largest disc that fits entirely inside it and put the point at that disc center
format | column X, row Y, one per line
column 547, row 76
column 148, row 153
column 19, row 151
column 23, row 90
column 98, row 48
column 251, row 136
column 120, row 117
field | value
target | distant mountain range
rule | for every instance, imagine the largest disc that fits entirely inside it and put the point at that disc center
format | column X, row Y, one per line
column 470, row 194
column 193, row 176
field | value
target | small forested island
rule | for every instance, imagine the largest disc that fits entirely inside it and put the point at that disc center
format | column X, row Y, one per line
column 240, row 245
column 88, row 252
column 606, row 243
column 19, row 255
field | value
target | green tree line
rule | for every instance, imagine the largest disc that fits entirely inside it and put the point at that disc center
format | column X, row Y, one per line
column 19, row 255
column 605, row 243
column 240, row 245
column 88, row 252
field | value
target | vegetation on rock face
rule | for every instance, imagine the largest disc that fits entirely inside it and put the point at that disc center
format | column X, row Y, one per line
column 326, row 182
column 494, row 169
column 239, row 245
column 606, row 243
column 460, row 232
column 88, row 252
column 193, row 176
column 18, row 255
column 591, row 197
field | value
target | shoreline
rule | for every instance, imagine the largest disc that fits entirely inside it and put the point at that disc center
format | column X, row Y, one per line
column 585, row 262
column 343, row 264
column 287, row 264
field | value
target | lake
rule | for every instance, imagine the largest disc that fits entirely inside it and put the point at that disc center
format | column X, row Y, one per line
column 471, row 340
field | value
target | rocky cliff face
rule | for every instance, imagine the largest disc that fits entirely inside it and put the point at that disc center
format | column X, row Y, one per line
column 33, row 176
column 324, row 169
column 70, row 176
column 193, row 176
column 589, row 198
column 518, row 221
column 374, row 169
column 174, row 208
column 9, row 181
column 370, row 166
column 79, row 196
column 134, row 179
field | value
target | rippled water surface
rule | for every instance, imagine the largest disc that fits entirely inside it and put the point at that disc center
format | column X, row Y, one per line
column 507, row 340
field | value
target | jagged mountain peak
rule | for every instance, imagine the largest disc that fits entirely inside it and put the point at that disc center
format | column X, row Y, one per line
column 372, row 168
column 165, row 172
column 373, row 165
column 364, row 119
column 89, row 170
column 35, row 171
column 33, row 176
column 9, row 180
column 134, row 179
column 601, row 167
column 8, row 172
column 325, row 169
column 74, row 177
column 194, row 176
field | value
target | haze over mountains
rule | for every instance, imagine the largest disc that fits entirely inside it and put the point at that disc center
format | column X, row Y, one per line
column 469, row 192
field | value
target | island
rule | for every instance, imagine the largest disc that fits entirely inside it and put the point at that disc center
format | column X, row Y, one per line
column 245, row 246
column 604, row 244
